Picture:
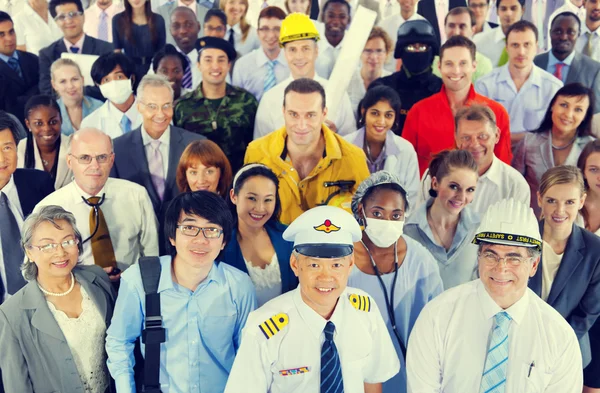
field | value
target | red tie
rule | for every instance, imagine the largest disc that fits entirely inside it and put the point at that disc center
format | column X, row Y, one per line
column 558, row 70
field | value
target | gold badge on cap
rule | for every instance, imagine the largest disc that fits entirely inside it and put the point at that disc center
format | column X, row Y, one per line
column 360, row 302
column 327, row 226
column 202, row 43
column 273, row 325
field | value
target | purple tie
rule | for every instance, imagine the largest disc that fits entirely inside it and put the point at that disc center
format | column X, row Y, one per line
column 155, row 165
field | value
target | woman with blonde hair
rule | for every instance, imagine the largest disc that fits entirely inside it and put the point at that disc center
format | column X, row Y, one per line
column 68, row 83
column 239, row 33
column 204, row 166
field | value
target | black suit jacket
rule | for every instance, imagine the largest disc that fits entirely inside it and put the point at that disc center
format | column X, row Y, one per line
column 492, row 24
column 32, row 186
column 15, row 91
column 91, row 46
column 575, row 292
column 426, row 8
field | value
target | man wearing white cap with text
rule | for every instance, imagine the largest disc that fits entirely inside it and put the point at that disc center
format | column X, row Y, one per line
column 322, row 336
column 495, row 335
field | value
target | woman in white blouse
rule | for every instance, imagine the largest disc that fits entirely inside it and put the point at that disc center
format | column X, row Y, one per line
column 52, row 331
column 245, row 39
column 35, row 27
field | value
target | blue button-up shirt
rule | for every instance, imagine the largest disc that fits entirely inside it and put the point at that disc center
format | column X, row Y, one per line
column 526, row 107
column 203, row 328
column 5, row 58
column 553, row 61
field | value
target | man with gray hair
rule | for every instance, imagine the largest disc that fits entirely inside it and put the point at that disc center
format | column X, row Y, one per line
column 115, row 216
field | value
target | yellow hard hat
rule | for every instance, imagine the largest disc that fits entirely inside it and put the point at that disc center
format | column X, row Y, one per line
column 297, row 26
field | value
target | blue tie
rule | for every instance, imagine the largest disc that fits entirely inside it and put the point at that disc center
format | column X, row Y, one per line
column 74, row 49
column 187, row 75
column 331, row 368
column 14, row 64
column 494, row 374
column 270, row 80
column 125, row 124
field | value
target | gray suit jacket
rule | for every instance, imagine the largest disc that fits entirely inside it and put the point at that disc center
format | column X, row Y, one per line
column 583, row 70
column 165, row 11
column 35, row 354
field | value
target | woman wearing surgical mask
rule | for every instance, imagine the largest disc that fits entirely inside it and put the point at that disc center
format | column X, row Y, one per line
column 397, row 271
column 445, row 224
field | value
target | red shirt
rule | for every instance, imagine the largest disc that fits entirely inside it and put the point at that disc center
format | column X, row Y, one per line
column 429, row 126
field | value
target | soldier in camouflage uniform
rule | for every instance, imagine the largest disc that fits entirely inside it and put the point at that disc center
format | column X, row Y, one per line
column 221, row 112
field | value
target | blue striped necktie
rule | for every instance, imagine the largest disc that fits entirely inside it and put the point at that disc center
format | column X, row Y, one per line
column 187, row 74
column 496, row 362
column 331, row 368
column 270, row 80
column 16, row 67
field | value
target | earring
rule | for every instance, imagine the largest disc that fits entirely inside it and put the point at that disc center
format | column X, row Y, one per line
column 433, row 193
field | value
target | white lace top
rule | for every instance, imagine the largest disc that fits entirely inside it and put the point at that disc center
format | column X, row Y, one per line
column 85, row 336
column 267, row 281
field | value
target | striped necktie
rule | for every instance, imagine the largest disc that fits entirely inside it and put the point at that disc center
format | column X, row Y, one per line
column 187, row 75
column 496, row 362
column 331, row 368
column 14, row 64
column 270, row 79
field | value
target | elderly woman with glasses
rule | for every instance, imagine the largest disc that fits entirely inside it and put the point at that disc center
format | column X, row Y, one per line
column 52, row 331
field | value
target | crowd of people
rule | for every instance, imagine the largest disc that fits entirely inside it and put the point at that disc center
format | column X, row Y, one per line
column 185, row 208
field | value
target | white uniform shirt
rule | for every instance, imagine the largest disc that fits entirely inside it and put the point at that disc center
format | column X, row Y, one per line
column 491, row 44
column 501, row 181
column 10, row 190
column 583, row 39
column 107, row 118
column 391, row 25
column 33, row 32
column 328, row 55
column 252, row 42
column 250, row 71
column 449, row 342
column 92, row 18
column 269, row 116
column 365, row 348
column 12, row 7
column 128, row 213
column 389, row 8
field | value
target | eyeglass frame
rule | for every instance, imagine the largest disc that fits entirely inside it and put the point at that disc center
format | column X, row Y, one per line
column 51, row 247
column 162, row 108
column 198, row 229
column 521, row 260
column 79, row 158
column 267, row 30
column 69, row 15
column 376, row 52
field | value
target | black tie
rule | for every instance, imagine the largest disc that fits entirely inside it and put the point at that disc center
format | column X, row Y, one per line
column 230, row 39
column 314, row 10
column 12, row 253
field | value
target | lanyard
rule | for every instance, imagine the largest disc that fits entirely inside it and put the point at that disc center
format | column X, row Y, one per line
column 389, row 300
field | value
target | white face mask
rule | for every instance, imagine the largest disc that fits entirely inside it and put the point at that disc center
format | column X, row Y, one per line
column 117, row 92
column 384, row 233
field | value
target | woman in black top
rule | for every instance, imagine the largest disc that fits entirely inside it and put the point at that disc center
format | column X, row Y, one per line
column 140, row 33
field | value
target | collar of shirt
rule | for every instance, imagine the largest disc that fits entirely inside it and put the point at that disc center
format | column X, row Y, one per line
column 198, row 95
column 470, row 96
column 553, row 60
column 467, row 220
column 15, row 55
column 585, row 30
column 313, row 320
column 534, row 77
column 192, row 6
column 493, row 172
column 132, row 112
column 262, row 59
column 489, row 307
column 236, row 29
column 164, row 138
column 499, row 35
column 324, row 45
column 166, row 276
column 78, row 192
column 391, row 149
column 78, row 44
column 10, row 189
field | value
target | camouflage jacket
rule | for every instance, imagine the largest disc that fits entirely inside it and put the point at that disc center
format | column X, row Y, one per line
column 230, row 127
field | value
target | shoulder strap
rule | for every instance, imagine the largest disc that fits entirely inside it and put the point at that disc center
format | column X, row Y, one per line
column 154, row 334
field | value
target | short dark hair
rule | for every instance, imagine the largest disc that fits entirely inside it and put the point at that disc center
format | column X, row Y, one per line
column 571, row 90
column 566, row 14
column 7, row 122
column 257, row 171
column 522, row 26
column 32, row 103
column 205, row 204
column 55, row 3
column 475, row 112
column 376, row 94
column 522, row 2
column 305, row 86
column 469, row 2
column 105, row 64
column 217, row 13
column 458, row 41
column 270, row 12
column 328, row 2
column 168, row 51
column 4, row 16
column 462, row 10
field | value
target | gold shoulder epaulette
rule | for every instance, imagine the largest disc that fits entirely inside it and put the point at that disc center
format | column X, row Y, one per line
column 273, row 325
column 360, row 302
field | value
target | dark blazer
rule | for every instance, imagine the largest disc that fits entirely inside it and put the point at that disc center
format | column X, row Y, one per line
column 35, row 354
column 575, row 292
column 583, row 70
column 91, row 46
column 232, row 254
column 426, row 8
column 14, row 91
column 32, row 186
column 492, row 24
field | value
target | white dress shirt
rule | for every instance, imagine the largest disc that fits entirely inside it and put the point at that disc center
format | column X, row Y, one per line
column 391, row 25
column 251, row 70
column 449, row 342
column 538, row 12
column 328, row 55
column 526, row 107
column 500, row 181
column 269, row 116
column 583, row 39
column 389, row 8
column 491, row 44
column 10, row 190
column 33, row 32
column 255, row 6
column 441, row 9
column 129, row 215
column 493, row 12
column 163, row 147
column 243, row 47
column 92, row 18
column 264, row 365
column 108, row 119
column 568, row 6
column 12, row 7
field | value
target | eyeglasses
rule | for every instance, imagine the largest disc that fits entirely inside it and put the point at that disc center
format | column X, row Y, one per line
column 218, row 29
column 154, row 108
column 376, row 52
column 193, row 231
column 69, row 15
column 50, row 248
column 85, row 159
column 492, row 259
column 266, row 30
column 481, row 137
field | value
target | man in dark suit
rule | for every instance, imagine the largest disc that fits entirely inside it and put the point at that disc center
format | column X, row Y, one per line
column 564, row 62
column 19, row 71
column 69, row 17
column 426, row 8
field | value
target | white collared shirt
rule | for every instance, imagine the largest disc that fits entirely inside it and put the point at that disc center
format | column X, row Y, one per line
column 491, row 44
column 449, row 342
column 10, row 190
column 78, row 44
column 391, row 25
column 441, row 9
column 164, row 139
column 500, row 181
column 33, row 32
column 92, row 18
column 583, row 39
column 389, row 8
column 250, row 71
column 12, row 7
column 128, row 213
column 243, row 47
column 108, row 119
column 264, row 365
column 328, row 54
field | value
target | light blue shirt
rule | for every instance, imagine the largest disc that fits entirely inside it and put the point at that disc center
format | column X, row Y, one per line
column 458, row 265
column 15, row 55
column 204, row 328
column 88, row 105
column 527, row 106
column 418, row 282
column 553, row 61
column 250, row 71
